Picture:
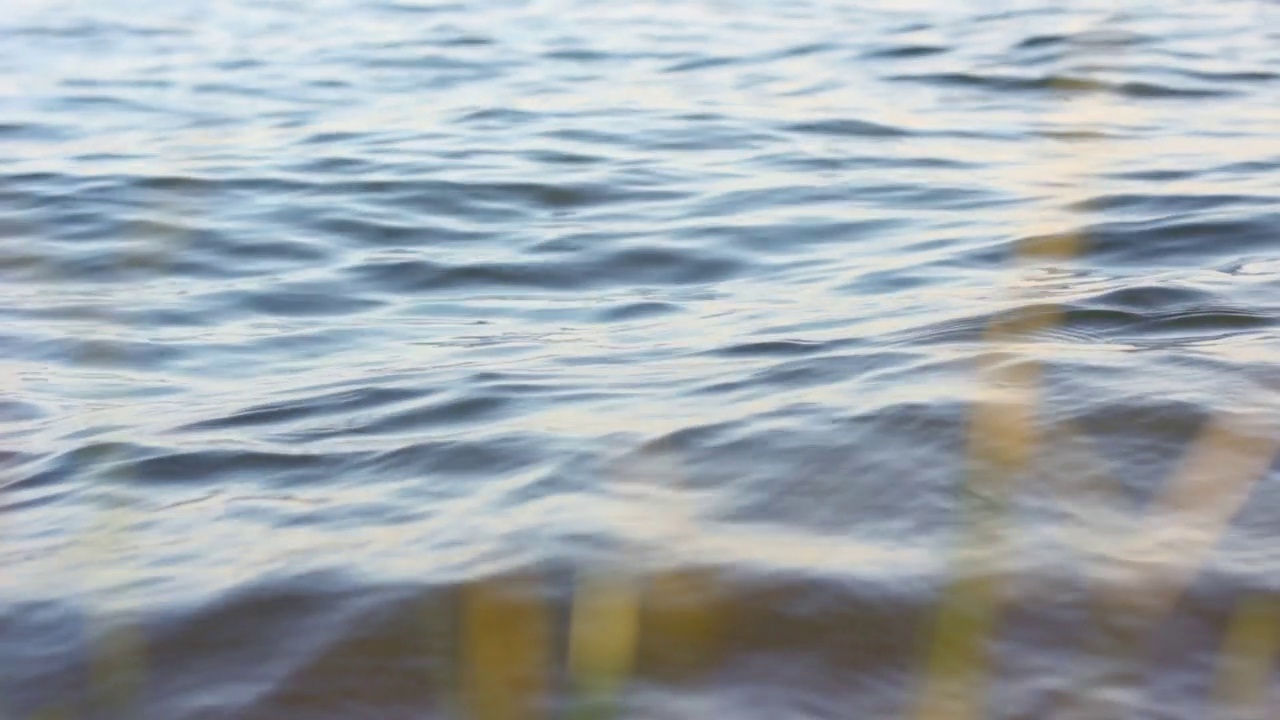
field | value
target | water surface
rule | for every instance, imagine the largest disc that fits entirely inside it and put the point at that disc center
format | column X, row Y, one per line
column 317, row 314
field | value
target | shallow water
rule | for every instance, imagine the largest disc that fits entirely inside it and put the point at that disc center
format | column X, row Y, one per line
column 319, row 316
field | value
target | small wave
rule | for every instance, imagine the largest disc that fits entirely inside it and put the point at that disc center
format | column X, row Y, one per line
column 905, row 51
column 309, row 407
column 419, row 8
column 1039, row 41
column 1062, row 83
column 701, row 64
column 459, row 411
column 621, row 267
column 636, row 310
column 772, row 348
column 202, row 467
column 848, row 127
column 1176, row 239
column 489, row 457
column 1166, row 204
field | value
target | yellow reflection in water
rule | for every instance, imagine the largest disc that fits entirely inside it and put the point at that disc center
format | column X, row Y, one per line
column 1002, row 439
column 1180, row 530
column 1249, row 657
column 1001, row 443
column 506, row 643
column 602, row 640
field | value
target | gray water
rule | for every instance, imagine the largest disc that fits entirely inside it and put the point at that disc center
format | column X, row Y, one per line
column 317, row 314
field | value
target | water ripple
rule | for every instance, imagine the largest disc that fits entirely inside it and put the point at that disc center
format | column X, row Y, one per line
column 339, row 309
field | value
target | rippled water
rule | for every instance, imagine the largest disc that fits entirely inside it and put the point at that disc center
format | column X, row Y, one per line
column 318, row 312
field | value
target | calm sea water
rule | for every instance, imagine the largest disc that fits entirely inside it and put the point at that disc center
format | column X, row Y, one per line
column 319, row 315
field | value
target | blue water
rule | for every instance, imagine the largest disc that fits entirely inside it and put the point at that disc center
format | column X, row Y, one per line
column 315, row 312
